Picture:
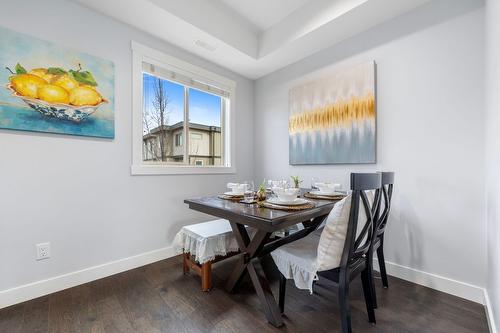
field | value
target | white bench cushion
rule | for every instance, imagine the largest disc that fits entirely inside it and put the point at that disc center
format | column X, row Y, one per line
column 206, row 240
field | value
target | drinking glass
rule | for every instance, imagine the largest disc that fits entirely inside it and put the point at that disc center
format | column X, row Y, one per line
column 269, row 189
column 314, row 180
column 276, row 183
column 249, row 191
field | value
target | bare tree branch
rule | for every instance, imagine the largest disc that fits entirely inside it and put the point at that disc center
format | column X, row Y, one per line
column 158, row 118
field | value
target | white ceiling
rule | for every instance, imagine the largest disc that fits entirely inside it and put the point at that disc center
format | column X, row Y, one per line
column 263, row 14
column 253, row 37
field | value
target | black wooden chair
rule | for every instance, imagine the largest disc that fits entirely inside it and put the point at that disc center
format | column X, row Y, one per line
column 382, row 215
column 357, row 248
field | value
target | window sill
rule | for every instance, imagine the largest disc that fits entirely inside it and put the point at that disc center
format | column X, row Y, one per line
column 142, row 169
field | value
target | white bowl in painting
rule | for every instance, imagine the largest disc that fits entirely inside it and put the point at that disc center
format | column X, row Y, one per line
column 59, row 111
column 286, row 194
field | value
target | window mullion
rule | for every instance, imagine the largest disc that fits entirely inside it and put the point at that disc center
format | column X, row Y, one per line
column 223, row 148
column 186, row 125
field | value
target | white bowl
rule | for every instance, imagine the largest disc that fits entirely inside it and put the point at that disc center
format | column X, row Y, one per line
column 328, row 187
column 58, row 110
column 237, row 189
column 286, row 195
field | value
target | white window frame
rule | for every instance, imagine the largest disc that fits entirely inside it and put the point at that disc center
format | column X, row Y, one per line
column 142, row 53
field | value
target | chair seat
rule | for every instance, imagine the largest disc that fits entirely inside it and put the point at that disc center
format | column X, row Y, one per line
column 298, row 260
column 319, row 251
column 205, row 241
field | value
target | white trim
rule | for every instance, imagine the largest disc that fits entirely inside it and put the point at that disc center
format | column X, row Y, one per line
column 183, row 67
column 40, row 288
column 434, row 281
column 142, row 53
column 490, row 316
column 145, row 169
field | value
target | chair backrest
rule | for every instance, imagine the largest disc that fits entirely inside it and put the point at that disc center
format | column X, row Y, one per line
column 382, row 213
column 358, row 243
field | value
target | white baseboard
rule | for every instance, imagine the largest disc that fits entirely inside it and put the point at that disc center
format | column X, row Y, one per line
column 433, row 281
column 489, row 312
column 40, row 288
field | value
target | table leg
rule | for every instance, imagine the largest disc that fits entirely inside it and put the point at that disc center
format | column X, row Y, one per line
column 249, row 249
column 250, row 262
column 263, row 289
column 236, row 275
column 314, row 222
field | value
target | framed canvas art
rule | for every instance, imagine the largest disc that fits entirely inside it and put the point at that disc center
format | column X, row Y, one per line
column 333, row 120
column 48, row 88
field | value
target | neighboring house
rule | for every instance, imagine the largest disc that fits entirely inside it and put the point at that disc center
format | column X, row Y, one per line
column 205, row 144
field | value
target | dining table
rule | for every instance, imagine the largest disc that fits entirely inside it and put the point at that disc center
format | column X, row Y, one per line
column 264, row 221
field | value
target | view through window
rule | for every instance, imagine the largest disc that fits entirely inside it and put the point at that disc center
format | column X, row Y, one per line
column 205, row 140
column 166, row 107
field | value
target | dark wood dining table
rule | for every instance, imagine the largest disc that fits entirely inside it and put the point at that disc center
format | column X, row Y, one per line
column 265, row 221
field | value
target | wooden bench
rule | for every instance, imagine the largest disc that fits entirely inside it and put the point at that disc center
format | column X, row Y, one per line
column 202, row 245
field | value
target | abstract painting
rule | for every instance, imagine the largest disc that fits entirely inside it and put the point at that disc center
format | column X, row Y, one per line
column 333, row 120
column 48, row 88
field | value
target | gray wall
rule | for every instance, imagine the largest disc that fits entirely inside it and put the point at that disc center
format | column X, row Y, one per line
column 430, row 132
column 493, row 154
column 77, row 192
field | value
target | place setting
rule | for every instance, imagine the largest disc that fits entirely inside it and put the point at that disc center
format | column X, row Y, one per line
column 282, row 196
column 240, row 192
column 325, row 190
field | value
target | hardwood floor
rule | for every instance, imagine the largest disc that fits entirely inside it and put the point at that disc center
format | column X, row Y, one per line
column 158, row 298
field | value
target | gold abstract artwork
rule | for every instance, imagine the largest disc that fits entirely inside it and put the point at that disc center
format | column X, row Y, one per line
column 332, row 120
column 339, row 114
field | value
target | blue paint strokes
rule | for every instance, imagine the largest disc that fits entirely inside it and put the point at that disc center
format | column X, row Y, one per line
column 344, row 147
column 27, row 119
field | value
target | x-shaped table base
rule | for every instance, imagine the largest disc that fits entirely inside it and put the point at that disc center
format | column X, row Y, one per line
column 252, row 250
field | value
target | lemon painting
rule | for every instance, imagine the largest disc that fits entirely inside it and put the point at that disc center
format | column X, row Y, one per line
column 333, row 119
column 48, row 88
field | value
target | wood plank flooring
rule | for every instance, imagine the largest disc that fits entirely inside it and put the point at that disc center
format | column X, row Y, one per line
column 158, row 298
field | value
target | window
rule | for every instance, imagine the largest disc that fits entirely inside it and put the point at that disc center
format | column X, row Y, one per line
column 162, row 118
column 196, row 136
column 173, row 98
column 178, row 139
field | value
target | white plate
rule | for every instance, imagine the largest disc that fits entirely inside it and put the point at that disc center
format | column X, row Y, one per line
column 234, row 194
column 295, row 202
column 332, row 193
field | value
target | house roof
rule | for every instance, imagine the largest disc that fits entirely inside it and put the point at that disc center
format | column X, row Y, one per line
column 180, row 124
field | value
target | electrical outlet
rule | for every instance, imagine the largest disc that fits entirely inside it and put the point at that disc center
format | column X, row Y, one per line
column 42, row 251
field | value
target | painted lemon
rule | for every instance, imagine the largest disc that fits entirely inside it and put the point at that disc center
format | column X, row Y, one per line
column 27, row 84
column 89, row 86
column 53, row 94
column 42, row 72
column 84, row 96
column 65, row 81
